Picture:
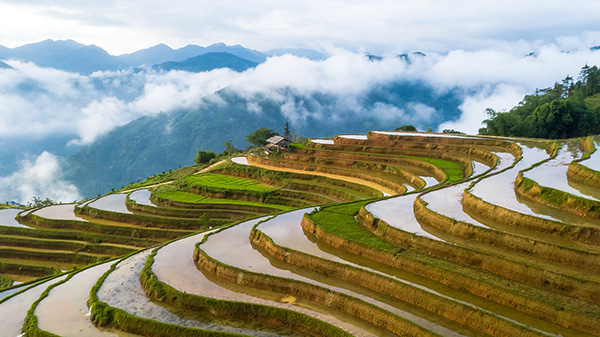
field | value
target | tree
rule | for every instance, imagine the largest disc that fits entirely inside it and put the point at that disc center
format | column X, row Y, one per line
column 452, row 131
column 286, row 132
column 204, row 157
column 230, row 148
column 260, row 136
column 407, row 127
column 39, row 202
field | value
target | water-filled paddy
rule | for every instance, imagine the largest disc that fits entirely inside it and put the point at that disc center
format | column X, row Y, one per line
column 14, row 310
column 553, row 173
column 141, row 197
column 111, row 202
column 58, row 212
column 71, row 297
column 233, row 247
column 7, row 217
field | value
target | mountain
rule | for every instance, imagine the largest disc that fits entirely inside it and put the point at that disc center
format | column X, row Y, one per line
column 167, row 140
column 72, row 56
column 162, row 53
column 153, row 55
column 4, row 66
column 66, row 55
column 207, row 62
column 300, row 52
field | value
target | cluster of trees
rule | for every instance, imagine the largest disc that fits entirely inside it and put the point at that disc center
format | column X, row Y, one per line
column 257, row 138
column 39, row 202
column 569, row 109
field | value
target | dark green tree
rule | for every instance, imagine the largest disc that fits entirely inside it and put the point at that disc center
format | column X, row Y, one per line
column 260, row 136
column 204, row 157
column 230, row 148
column 286, row 132
column 407, row 127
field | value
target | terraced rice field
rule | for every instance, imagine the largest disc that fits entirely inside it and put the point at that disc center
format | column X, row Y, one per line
column 383, row 234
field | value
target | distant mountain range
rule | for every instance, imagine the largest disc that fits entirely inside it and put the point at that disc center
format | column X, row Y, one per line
column 207, row 62
column 72, row 56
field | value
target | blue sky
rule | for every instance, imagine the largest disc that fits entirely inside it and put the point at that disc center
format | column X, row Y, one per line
column 380, row 26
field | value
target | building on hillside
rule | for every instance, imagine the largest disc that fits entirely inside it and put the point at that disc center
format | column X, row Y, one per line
column 277, row 144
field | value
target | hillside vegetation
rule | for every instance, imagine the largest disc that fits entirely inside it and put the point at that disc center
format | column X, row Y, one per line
column 569, row 109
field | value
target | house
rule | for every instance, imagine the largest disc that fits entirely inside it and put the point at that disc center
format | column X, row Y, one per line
column 277, row 144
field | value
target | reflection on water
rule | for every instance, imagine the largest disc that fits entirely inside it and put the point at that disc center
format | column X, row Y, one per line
column 593, row 161
column 233, row 247
column 71, row 297
column 398, row 212
column 112, row 202
column 240, row 160
column 285, row 231
column 499, row 189
column 430, row 181
column 58, row 212
column 554, row 172
column 359, row 137
column 141, row 197
column 421, row 134
column 7, row 217
column 14, row 310
column 122, row 289
column 322, row 141
column 448, row 201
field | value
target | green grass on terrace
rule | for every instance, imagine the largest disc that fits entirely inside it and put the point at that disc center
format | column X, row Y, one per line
column 454, row 170
column 340, row 221
column 198, row 199
column 221, row 181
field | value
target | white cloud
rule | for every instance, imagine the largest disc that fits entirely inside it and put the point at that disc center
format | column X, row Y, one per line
column 41, row 177
column 501, row 98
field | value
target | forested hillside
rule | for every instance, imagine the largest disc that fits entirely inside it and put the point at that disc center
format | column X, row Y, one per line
column 569, row 109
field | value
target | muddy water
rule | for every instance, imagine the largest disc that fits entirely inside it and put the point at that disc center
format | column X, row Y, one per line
column 500, row 189
column 479, row 168
column 141, row 197
column 554, row 172
column 429, row 181
column 14, row 310
column 285, row 231
column 7, row 217
column 71, row 297
column 232, row 247
column 448, row 201
column 58, row 212
column 122, row 289
column 174, row 265
column 6, row 293
column 398, row 212
column 593, row 161
column 111, row 202
column 240, row 160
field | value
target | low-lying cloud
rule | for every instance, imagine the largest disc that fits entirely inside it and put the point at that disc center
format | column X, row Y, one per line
column 39, row 176
column 38, row 101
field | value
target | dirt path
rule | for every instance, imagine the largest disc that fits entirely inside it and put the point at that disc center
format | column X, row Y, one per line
column 206, row 169
column 383, row 189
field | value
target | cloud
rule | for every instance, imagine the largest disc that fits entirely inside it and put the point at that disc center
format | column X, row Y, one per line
column 377, row 26
column 40, row 176
column 500, row 98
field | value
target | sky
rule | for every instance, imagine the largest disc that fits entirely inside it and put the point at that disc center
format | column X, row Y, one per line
column 379, row 26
